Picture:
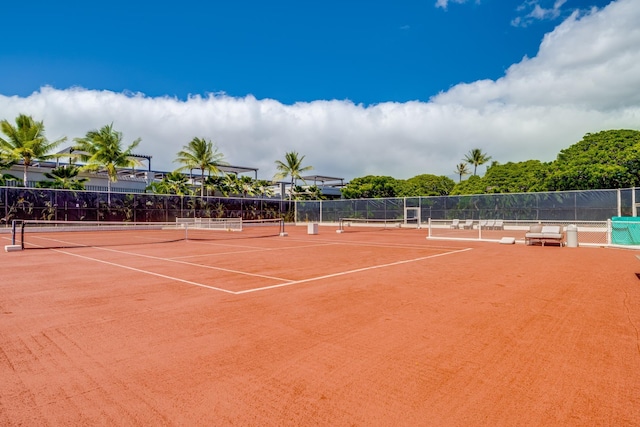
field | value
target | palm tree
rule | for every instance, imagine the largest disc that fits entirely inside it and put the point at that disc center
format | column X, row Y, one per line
column 461, row 169
column 200, row 154
column 309, row 193
column 241, row 185
column 172, row 183
column 476, row 158
column 292, row 166
column 26, row 142
column 218, row 183
column 64, row 177
column 263, row 188
column 102, row 148
column 5, row 165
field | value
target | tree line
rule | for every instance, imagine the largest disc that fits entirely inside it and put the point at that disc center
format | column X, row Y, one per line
column 603, row 160
column 104, row 150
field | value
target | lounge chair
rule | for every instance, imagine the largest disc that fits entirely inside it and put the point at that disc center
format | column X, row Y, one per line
column 455, row 223
column 468, row 224
column 499, row 224
column 490, row 224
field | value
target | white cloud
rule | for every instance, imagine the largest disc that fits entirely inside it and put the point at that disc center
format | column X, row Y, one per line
column 537, row 12
column 585, row 78
column 445, row 3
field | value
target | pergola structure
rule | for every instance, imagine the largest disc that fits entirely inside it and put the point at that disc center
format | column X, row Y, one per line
column 328, row 185
column 147, row 172
column 72, row 152
column 323, row 180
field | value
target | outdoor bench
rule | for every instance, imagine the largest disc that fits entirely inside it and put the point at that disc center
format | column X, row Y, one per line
column 544, row 233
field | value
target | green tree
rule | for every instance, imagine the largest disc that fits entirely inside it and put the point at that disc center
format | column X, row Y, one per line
column 242, row 185
column 607, row 159
column 102, row 148
column 171, row 183
column 64, row 177
column 473, row 185
column 371, row 186
column 311, row 192
column 218, row 183
column 461, row 170
column 510, row 177
column 476, row 158
column 203, row 155
column 5, row 165
column 292, row 166
column 425, row 185
column 26, row 142
column 264, row 188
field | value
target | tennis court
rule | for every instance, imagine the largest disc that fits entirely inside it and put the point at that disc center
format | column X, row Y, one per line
column 364, row 327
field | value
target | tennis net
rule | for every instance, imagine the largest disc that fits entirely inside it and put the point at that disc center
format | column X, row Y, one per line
column 231, row 228
column 368, row 224
column 40, row 234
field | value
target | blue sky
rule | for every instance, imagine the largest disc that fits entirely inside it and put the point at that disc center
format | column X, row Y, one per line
column 359, row 87
column 366, row 51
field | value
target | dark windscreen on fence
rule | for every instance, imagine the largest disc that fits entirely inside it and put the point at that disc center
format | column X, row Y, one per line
column 65, row 205
column 592, row 205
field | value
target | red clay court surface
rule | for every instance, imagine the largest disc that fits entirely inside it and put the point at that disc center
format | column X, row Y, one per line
column 355, row 329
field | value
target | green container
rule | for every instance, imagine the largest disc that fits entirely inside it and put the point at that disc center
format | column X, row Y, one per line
column 625, row 230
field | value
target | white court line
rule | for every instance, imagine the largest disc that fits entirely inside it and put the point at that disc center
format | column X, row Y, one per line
column 381, row 245
column 226, row 270
column 280, row 285
column 262, row 276
column 214, row 243
column 255, row 250
column 344, row 273
column 189, row 282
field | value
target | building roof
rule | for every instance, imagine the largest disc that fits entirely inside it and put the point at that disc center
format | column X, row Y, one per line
column 324, row 180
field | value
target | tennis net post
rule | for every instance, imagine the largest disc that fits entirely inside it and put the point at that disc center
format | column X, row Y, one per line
column 15, row 226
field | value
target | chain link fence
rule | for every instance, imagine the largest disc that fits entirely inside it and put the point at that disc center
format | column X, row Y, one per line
column 590, row 210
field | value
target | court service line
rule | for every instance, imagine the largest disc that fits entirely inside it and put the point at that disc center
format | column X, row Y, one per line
column 163, row 276
column 344, row 273
column 254, row 250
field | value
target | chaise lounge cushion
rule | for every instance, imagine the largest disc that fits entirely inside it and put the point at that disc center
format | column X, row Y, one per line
column 536, row 228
